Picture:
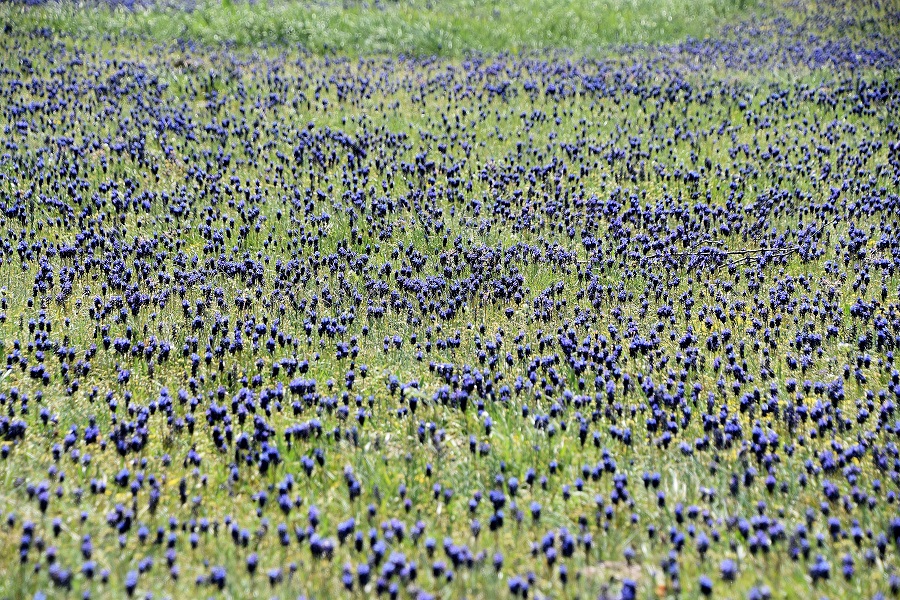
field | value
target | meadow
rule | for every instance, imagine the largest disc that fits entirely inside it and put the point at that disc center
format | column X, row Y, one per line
column 445, row 300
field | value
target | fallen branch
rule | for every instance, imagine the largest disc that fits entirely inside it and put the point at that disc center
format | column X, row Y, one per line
column 713, row 252
column 780, row 252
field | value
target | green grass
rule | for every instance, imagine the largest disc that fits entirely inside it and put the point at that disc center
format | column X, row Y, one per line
column 447, row 27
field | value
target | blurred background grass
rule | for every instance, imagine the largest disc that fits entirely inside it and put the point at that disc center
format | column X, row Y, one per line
column 419, row 27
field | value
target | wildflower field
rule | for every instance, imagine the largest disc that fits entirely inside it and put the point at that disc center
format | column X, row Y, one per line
column 450, row 300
